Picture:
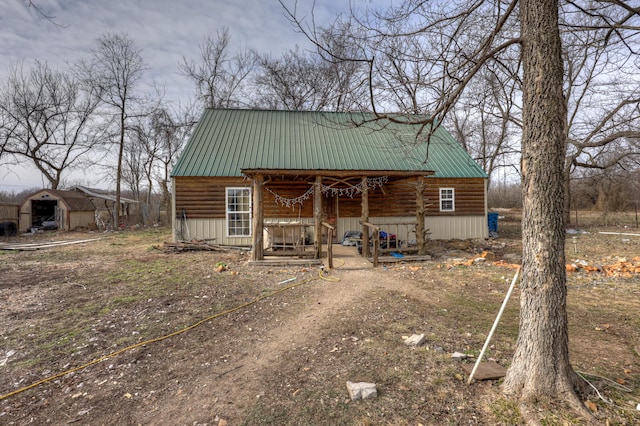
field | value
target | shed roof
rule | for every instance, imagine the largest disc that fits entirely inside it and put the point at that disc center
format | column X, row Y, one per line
column 227, row 141
column 74, row 200
column 102, row 195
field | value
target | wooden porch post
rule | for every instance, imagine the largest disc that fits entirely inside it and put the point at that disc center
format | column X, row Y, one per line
column 258, row 219
column 365, row 217
column 317, row 216
column 422, row 246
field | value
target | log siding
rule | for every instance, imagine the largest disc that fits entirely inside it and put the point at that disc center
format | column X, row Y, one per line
column 204, row 197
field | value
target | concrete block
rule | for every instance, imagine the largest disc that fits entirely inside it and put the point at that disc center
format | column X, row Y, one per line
column 415, row 340
column 362, row 390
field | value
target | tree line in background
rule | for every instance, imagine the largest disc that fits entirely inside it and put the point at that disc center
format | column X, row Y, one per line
column 93, row 115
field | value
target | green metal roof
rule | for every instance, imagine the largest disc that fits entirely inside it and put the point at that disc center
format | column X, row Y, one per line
column 226, row 141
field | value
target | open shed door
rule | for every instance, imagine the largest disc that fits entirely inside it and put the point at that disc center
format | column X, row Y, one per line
column 43, row 211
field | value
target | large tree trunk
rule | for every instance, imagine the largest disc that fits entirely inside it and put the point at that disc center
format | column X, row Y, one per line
column 541, row 367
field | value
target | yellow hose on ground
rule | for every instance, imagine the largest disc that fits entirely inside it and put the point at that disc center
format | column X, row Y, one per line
column 324, row 276
column 157, row 339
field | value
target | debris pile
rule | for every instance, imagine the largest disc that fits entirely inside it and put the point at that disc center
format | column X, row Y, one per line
column 193, row 245
column 622, row 267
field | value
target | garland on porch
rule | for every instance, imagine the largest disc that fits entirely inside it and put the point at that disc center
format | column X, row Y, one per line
column 291, row 202
column 371, row 183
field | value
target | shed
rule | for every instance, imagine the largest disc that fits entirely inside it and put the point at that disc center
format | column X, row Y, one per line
column 242, row 171
column 104, row 203
column 9, row 218
column 9, row 212
column 69, row 209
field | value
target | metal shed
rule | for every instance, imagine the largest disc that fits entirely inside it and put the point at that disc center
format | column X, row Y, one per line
column 69, row 209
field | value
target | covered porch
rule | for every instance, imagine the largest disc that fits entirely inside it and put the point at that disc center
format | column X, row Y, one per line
column 324, row 189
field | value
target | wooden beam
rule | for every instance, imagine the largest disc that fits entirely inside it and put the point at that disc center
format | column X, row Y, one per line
column 420, row 212
column 258, row 219
column 289, row 253
column 317, row 216
column 364, row 217
column 331, row 230
column 376, row 246
column 338, row 173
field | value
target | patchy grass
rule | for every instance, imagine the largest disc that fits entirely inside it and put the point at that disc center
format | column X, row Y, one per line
column 284, row 359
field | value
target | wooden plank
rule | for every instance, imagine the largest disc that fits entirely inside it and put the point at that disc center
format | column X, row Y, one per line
column 258, row 219
column 331, row 230
column 39, row 246
column 285, row 262
column 317, row 216
column 288, row 253
column 364, row 217
column 420, row 210
column 487, row 370
column 376, row 246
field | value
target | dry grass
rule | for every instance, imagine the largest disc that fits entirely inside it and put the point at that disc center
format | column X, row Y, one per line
column 285, row 359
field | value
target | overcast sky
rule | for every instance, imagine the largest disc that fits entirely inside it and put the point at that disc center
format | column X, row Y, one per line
column 165, row 31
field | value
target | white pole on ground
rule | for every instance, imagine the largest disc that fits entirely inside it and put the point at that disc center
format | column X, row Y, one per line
column 495, row 325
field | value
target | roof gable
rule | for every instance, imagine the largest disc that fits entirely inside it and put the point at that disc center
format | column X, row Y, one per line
column 227, row 141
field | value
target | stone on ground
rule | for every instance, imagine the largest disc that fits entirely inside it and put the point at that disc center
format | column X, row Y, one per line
column 362, row 390
column 415, row 340
column 459, row 356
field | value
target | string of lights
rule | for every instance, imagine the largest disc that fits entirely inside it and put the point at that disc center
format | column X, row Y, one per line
column 351, row 191
column 291, row 202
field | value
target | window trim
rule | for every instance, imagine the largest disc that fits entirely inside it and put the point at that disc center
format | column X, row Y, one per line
column 229, row 212
column 452, row 199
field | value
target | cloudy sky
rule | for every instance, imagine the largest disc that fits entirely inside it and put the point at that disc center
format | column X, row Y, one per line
column 165, row 31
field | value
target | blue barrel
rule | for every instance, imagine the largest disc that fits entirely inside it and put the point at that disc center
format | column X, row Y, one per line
column 492, row 218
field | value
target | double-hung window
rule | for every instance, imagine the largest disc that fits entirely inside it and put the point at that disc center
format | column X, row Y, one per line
column 447, row 200
column 238, row 212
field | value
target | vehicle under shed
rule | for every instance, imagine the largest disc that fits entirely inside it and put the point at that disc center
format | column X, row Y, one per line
column 57, row 209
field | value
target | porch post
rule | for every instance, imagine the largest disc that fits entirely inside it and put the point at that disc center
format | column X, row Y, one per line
column 317, row 216
column 422, row 247
column 258, row 219
column 365, row 217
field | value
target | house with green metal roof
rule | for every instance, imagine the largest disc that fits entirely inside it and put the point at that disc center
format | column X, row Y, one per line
column 247, row 175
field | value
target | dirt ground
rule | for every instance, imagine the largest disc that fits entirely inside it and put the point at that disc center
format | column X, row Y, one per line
column 170, row 341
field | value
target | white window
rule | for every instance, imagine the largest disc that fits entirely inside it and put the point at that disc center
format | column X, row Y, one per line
column 447, row 200
column 238, row 212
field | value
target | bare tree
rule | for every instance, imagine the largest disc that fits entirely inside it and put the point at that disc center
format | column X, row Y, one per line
column 313, row 81
column 218, row 76
column 487, row 121
column 115, row 68
column 455, row 55
column 156, row 141
column 49, row 118
column 136, row 162
column 602, row 91
column 307, row 82
column 31, row 4
column 608, row 189
column 173, row 129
